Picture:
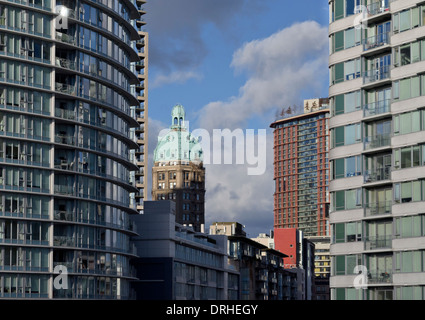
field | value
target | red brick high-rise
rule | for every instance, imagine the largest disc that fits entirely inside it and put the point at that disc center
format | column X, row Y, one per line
column 301, row 170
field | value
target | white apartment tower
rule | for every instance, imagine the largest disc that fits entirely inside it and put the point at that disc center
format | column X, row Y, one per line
column 377, row 156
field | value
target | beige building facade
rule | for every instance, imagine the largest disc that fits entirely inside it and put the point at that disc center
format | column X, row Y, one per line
column 377, row 156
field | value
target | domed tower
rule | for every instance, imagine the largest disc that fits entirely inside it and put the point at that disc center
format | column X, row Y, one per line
column 178, row 173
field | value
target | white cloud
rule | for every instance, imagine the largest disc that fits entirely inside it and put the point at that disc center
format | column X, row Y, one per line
column 233, row 195
column 178, row 77
column 280, row 69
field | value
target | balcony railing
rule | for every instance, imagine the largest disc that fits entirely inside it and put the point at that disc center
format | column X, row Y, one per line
column 65, row 63
column 379, row 277
column 377, row 208
column 377, row 141
column 63, row 37
column 378, row 7
column 378, row 107
column 376, row 41
column 377, row 174
column 65, row 88
column 378, row 242
column 378, row 74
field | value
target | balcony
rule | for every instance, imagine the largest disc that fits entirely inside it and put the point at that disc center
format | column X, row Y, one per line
column 378, row 208
column 375, row 75
column 377, row 41
column 65, row 88
column 378, row 242
column 375, row 175
column 66, row 38
column 377, row 108
column 378, row 277
column 63, row 215
column 378, row 7
column 377, row 141
column 65, row 63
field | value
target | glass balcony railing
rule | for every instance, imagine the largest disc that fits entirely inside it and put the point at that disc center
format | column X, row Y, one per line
column 378, row 242
column 377, row 174
column 378, row 107
column 377, row 208
column 377, row 276
column 377, row 141
column 378, row 7
column 376, row 41
column 378, row 74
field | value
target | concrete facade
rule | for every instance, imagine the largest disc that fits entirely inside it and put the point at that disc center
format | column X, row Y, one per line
column 377, row 149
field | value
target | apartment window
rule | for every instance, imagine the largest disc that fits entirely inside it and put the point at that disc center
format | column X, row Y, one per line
column 413, row 226
column 409, row 122
column 409, row 261
column 347, row 232
column 408, row 157
column 345, row 39
column 407, row 19
column 409, row 293
column 346, row 264
column 345, row 71
column 345, row 103
column 346, row 135
column 347, row 167
column 409, row 191
column 347, row 199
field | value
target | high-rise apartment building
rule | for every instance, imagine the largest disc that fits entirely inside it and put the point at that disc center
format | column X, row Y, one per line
column 140, row 111
column 67, row 104
column 178, row 173
column 377, row 89
column 301, row 171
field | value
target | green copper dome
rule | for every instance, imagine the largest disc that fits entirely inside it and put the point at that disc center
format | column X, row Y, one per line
column 178, row 144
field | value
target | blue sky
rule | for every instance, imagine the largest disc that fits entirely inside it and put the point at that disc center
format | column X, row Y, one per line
column 233, row 64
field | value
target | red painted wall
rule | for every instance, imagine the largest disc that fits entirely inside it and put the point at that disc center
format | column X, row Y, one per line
column 285, row 241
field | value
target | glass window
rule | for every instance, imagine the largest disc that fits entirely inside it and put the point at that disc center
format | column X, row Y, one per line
column 405, row 21
column 352, row 101
column 339, row 200
column 339, row 41
column 339, row 104
column 406, row 158
column 339, row 168
column 405, row 90
column 339, row 72
column 416, row 87
column 405, row 54
column 350, row 38
column 415, row 52
column 339, row 136
column 406, row 192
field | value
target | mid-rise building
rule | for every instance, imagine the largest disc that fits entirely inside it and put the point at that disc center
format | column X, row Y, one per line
column 262, row 275
column 66, row 109
column 178, row 173
column 177, row 263
column 377, row 89
column 300, row 256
